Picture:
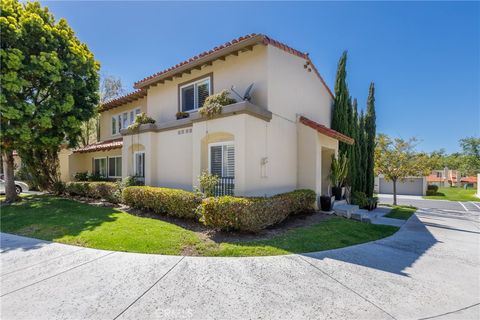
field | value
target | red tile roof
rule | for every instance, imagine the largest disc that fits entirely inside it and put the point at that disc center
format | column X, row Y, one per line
column 132, row 96
column 471, row 179
column 101, row 146
column 237, row 43
column 326, row 131
column 434, row 178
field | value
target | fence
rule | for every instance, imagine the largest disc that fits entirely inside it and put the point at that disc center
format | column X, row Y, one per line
column 225, row 187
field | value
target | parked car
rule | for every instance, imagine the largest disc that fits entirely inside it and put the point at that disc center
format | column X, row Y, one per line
column 19, row 186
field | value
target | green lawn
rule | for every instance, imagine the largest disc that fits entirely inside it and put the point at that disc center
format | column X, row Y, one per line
column 71, row 222
column 454, row 194
column 401, row 212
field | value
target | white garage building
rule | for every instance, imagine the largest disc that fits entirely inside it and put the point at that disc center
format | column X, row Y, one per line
column 412, row 186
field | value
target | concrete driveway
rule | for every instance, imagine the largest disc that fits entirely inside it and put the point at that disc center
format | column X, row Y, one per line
column 429, row 269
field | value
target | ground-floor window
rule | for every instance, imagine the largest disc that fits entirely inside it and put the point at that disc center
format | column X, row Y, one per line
column 100, row 166
column 222, row 159
column 115, row 167
column 139, row 164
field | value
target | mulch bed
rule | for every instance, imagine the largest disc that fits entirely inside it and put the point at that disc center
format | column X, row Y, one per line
column 292, row 222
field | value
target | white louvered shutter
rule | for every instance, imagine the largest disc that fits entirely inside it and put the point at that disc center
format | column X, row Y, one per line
column 216, row 160
column 229, row 161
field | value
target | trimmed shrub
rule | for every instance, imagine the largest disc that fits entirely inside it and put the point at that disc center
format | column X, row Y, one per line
column 432, row 187
column 431, row 192
column 95, row 190
column 359, row 198
column 244, row 214
column 172, row 202
column 301, row 201
column 254, row 214
column 81, row 176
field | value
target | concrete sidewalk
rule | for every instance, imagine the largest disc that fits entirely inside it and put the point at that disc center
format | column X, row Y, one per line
column 427, row 269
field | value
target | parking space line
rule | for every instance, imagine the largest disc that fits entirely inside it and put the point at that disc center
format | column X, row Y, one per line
column 463, row 206
column 476, row 205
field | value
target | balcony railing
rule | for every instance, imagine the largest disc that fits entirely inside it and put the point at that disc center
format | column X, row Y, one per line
column 225, row 187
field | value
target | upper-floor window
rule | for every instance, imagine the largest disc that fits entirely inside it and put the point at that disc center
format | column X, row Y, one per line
column 123, row 120
column 193, row 94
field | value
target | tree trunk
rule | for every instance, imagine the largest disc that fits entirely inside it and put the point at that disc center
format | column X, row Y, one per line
column 10, row 192
column 394, row 192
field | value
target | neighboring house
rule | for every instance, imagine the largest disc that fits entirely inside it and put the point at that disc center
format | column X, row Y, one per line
column 63, row 158
column 414, row 186
column 448, row 178
column 278, row 141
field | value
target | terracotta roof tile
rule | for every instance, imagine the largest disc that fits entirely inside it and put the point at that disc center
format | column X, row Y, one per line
column 326, row 131
column 101, row 146
column 132, row 96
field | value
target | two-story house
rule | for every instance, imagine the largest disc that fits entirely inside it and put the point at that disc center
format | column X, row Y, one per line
column 278, row 141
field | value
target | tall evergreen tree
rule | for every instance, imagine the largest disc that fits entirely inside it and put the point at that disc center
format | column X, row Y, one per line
column 370, row 130
column 355, row 154
column 340, row 107
column 362, row 147
column 350, row 149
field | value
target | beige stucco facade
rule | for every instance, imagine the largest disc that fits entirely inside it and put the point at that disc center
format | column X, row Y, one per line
column 273, row 151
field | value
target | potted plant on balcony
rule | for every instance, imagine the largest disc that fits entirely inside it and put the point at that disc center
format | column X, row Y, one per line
column 182, row 115
column 213, row 104
column 338, row 175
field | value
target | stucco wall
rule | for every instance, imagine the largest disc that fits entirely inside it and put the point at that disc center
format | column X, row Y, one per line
column 106, row 117
column 82, row 162
column 242, row 70
column 293, row 90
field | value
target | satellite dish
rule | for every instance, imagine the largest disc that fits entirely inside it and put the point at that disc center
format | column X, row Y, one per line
column 246, row 96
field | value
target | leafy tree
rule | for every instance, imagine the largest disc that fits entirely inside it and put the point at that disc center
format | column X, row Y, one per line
column 110, row 88
column 49, row 87
column 340, row 107
column 370, row 130
column 471, row 154
column 397, row 160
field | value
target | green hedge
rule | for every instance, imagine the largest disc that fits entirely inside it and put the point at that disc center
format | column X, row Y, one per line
column 301, row 201
column 109, row 191
column 254, row 214
column 173, row 202
column 432, row 187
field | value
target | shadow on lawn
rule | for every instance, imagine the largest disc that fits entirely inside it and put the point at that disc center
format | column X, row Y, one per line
column 49, row 218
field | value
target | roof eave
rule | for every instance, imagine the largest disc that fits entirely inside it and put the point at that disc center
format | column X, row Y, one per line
column 257, row 39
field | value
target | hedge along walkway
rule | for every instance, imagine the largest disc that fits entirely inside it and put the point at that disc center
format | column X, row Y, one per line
column 71, row 222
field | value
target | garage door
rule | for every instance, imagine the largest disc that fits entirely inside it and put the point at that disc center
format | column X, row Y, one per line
column 412, row 187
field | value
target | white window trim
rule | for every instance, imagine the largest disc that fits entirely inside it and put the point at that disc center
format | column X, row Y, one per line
column 120, row 114
column 195, row 93
column 108, row 166
column 215, row 144
column 135, row 162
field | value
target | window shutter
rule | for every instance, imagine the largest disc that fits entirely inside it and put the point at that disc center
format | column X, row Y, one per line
column 188, row 98
column 216, row 160
column 203, row 92
column 229, row 161
column 114, row 125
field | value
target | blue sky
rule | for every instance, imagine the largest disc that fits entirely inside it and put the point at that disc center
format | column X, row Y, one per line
column 424, row 57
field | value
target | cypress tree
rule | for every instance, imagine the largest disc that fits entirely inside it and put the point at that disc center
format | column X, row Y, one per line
column 340, row 106
column 362, row 147
column 355, row 154
column 370, row 130
column 350, row 149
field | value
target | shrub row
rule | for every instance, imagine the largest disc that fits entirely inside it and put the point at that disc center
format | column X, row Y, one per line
column 173, row 202
column 254, row 214
column 109, row 191
column 227, row 212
